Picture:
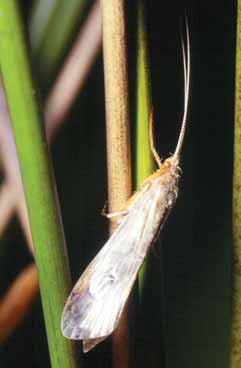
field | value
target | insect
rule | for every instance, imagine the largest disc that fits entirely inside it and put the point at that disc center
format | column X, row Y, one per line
column 96, row 302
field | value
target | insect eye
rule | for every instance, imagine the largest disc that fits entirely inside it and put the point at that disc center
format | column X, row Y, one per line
column 167, row 163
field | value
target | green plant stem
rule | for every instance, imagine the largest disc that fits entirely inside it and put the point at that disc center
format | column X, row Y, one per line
column 118, row 140
column 38, row 182
column 235, row 352
column 59, row 20
column 144, row 159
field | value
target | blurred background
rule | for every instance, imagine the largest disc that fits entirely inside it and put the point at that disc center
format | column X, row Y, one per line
column 186, row 316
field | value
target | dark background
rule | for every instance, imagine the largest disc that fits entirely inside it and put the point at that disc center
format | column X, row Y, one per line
column 186, row 317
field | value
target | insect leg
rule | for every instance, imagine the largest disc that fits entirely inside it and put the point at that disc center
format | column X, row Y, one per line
column 116, row 214
column 113, row 214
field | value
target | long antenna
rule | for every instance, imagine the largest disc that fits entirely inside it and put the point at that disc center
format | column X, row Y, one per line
column 186, row 69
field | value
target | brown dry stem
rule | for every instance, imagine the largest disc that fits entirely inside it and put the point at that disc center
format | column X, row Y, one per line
column 16, row 302
column 118, row 139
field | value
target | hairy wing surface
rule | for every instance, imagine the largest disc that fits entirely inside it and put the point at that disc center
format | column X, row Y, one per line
column 98, row 298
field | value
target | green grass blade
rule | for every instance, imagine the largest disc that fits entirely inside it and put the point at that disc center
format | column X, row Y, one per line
column 144, row 159
column 235, row 353
column 38, row 182
column 59, row 24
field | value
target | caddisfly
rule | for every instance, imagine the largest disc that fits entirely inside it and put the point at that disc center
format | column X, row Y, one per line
column 96, row 302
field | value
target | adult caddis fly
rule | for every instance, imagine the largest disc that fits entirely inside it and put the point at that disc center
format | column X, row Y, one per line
column 96, row 302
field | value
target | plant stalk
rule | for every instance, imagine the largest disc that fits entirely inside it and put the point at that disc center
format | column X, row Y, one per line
column 38, row 182
column 144, row 158
column 118, row 140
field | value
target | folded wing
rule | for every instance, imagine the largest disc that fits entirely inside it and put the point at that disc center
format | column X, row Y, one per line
column 96, row 302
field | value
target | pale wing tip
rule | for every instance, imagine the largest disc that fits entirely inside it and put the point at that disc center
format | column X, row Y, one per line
column 72, row 328
column 70, row 325
column 75, row 333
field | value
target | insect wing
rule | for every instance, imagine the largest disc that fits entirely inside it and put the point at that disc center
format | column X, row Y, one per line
column 97, row 300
